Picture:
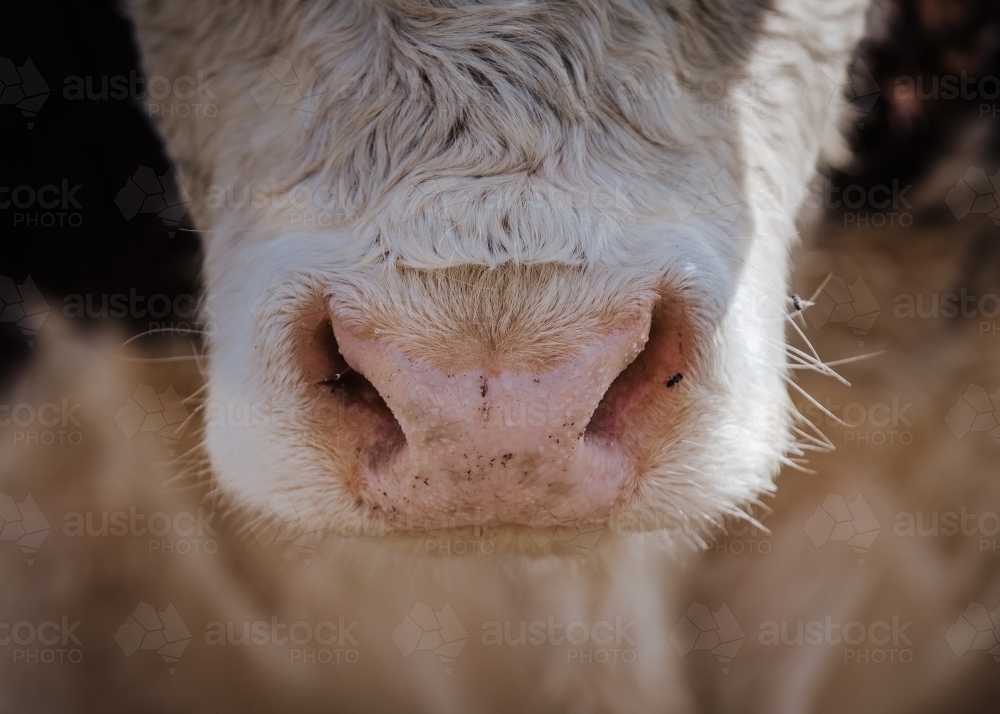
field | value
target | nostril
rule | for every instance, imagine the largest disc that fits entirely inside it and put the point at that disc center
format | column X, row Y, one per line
column 657, row 367
column 323, row 362
column 367, row 413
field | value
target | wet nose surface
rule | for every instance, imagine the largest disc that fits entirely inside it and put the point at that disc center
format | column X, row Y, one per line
column 492, row 446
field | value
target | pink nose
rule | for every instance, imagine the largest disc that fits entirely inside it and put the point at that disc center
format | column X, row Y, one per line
column 488, row 446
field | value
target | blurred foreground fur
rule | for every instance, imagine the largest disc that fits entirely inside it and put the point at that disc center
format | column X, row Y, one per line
column 100, row 579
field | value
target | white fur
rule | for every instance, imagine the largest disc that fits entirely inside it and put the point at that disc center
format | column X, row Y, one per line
column 604, row 168
column 602, row 162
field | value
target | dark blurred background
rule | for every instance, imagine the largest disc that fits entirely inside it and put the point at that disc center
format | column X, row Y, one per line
column 95, row 142
column 68, row 121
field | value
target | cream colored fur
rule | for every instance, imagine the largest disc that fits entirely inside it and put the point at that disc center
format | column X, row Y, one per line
column 573, row 136
column 553, row 154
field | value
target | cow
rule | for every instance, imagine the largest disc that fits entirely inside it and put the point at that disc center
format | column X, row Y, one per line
column 470, row 247
column 498, row 295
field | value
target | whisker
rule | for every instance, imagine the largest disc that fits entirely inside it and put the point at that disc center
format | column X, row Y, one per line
column 165, row 331
column 812, row 298
column 153, row 360
column 805, row 394
column 858, row 358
